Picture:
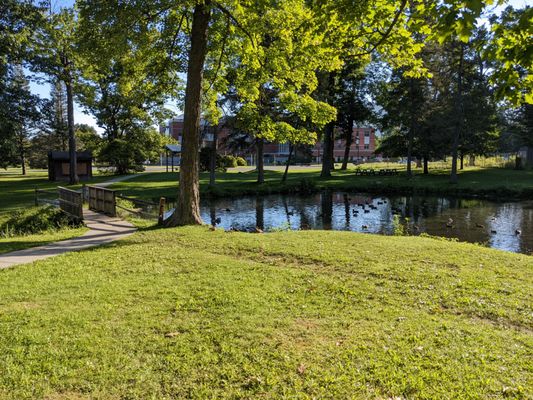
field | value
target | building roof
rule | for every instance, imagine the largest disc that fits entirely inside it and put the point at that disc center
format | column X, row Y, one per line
column 65, row 156
column 174, row 148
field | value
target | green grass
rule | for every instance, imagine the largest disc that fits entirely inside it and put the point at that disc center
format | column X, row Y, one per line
column 189, row 313
column 18, row 191
column 474, row 181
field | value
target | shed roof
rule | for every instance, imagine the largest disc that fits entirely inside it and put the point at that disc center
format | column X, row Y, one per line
column 174, row 148
column 65, row 156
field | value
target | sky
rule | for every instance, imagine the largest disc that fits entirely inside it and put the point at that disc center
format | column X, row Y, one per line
column 80, row 117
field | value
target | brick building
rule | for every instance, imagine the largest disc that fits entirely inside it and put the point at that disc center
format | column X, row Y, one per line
column 362, row 148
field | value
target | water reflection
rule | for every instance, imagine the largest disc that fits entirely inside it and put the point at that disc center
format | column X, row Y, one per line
column 506, row 226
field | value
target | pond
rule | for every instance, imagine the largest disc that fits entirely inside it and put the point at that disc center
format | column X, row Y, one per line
column 505, row 226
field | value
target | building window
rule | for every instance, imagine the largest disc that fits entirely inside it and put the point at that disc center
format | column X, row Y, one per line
column 367, row 133
column 283, row 148
column 367, row 146
column 367, row 140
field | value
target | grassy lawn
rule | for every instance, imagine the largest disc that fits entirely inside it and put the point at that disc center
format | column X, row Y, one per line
column 492, row 182
column 189, row 313
column 16, row 192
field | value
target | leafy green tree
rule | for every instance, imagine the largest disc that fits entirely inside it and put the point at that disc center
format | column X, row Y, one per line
column 87, row 139
column 130, row 155
column 19, row 117
column 511, row 51
column 55, row 54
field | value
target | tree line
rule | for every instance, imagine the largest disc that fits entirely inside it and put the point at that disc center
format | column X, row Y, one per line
column 288, row 71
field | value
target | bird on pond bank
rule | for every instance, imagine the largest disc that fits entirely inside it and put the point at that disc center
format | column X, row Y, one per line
column 517, row 232
column 449, row 224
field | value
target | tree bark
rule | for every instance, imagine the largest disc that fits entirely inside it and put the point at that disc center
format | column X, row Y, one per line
column 458, row 116
column 411, row 132
column 426, row 169
column 23, row 160
column 73, row 170
column 260, row 161
column 327, row 161
column 213, row 158
column 291, row 149
column 348, row 145
column 462, row 161
column 329, row 130
column 188, row 208
column 472, row 161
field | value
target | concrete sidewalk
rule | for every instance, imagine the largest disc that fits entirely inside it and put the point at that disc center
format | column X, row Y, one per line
column 102, row 230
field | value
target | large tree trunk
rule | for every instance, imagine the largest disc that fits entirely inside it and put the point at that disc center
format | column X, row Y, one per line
column 260, row 161
column 327, row 160
column 213, row 159
column 188, row 208
column 348, row 145
column 462, row 161
column 73, row 170
column 426, row 169
column 458, row 116
column 291, row 149
column 411, row 132
column 329, row 130
column 23, row 160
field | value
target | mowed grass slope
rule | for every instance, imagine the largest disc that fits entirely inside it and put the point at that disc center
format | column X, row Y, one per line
column 190, row 313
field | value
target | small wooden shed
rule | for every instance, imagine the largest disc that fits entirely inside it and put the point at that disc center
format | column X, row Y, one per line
column 59, row 165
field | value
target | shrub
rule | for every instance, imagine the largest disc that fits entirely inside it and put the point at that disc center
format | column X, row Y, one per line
column 37, row 220
column 229, row 161
column 241, row 162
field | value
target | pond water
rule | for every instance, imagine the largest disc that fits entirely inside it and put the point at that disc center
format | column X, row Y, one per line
column 506, row 225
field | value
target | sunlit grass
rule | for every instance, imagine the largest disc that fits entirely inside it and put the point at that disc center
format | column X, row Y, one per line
column 189, row 313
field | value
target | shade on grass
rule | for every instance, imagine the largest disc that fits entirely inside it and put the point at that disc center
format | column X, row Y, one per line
column 190, row 313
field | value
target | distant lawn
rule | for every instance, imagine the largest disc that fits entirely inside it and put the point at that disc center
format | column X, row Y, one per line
column 189, row 313
column 492, row 182
column 18, row 191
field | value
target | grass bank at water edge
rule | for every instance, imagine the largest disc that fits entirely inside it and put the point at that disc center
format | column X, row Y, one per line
column 190, row 313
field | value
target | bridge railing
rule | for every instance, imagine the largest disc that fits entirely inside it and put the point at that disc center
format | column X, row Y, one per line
column 71, row 202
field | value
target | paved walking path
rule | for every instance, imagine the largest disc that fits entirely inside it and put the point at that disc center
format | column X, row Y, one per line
column 117, row 179
column 102, row 230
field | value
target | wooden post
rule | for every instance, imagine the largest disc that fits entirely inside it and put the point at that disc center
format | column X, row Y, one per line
column 172, row 160
column 161, row 210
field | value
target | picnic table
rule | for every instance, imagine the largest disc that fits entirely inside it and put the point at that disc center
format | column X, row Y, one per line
column 381, row 172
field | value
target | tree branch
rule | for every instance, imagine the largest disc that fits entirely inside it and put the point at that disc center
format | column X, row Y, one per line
column 386, row 34
column 236, row 22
